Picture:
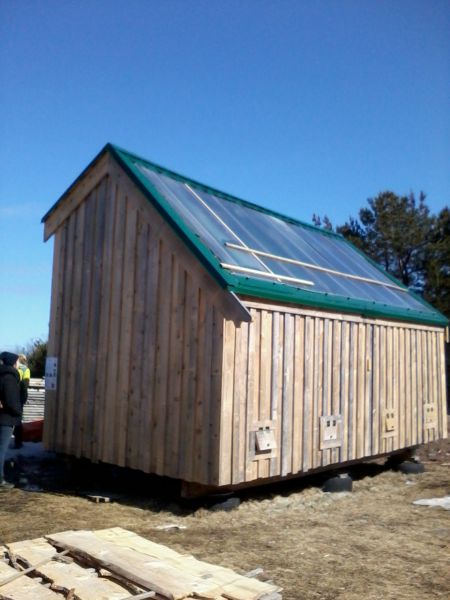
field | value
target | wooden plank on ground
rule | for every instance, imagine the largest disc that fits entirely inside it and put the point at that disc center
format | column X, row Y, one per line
column 149, row 574
column 156, row 567
column 24, row 588
column 32, row 552
column 64, row 577
column 226, row 582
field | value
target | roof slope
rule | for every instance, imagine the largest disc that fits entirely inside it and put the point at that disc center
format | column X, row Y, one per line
column 257, row 252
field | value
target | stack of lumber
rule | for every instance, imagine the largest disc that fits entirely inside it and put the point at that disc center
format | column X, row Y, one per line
column 116, row 564
column 34, row 408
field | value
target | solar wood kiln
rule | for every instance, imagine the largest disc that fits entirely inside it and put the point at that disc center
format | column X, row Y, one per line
column 198, row 336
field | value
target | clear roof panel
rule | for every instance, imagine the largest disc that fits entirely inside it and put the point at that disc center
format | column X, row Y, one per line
column 197, row 217
column 241, row 237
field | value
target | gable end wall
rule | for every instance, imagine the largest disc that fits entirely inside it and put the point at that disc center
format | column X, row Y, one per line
column 137, row 327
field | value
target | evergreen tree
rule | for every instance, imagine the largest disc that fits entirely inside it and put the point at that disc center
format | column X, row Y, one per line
column 437, row 263
column 36, row 354
column 394, row 231
column 400, row 234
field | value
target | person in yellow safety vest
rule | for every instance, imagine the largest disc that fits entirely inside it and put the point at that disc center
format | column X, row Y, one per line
column 24, row 374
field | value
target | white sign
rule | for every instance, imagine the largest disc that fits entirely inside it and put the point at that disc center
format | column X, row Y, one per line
column 51, row 371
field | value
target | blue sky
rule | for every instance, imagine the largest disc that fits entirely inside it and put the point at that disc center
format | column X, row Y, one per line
column 299, row 106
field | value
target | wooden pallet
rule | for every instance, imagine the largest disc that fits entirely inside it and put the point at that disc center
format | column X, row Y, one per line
column 35, row 405
column 116, row 564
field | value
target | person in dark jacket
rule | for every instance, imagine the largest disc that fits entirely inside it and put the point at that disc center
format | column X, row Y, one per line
column 10, row 407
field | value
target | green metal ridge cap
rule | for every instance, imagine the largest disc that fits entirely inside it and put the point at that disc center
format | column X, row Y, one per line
column 323, row 300
column 220, row 193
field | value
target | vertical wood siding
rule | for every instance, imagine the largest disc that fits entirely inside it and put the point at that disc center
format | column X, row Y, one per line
column 157, row 372
column 136, row 325
column 288, row 368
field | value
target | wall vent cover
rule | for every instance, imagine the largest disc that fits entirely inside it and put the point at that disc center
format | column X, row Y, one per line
column 330, row 431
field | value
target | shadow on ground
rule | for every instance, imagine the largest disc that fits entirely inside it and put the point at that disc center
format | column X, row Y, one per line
column 35, row 470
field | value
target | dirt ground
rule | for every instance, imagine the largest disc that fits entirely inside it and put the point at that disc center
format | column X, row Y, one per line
column 372, row 543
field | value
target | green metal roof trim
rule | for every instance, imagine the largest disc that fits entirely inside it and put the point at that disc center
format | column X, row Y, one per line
column 254, row 287
column 126, row 156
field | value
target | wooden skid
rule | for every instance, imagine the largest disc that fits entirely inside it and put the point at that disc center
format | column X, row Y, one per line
column 135, row 568
column 34, row 408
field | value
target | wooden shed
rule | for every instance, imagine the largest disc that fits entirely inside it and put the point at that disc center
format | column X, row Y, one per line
column 201, row 337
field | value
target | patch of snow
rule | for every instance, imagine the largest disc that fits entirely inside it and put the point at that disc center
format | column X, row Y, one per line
column 438, row 502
